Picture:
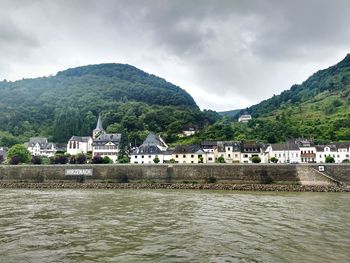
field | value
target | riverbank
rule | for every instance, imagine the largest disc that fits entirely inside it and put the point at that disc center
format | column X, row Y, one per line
column 190, row 186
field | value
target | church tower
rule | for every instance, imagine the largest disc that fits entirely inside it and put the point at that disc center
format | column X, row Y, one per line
column 99, row 129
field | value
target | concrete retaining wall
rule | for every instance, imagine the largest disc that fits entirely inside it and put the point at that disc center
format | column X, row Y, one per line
column 199, row 173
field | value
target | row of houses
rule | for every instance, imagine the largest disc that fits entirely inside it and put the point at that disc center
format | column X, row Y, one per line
column 293, row 151
column 154, row 149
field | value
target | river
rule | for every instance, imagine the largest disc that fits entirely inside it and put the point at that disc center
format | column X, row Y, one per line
column 173, row 226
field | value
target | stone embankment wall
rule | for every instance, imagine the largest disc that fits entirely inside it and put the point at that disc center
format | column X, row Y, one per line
column 287, row 174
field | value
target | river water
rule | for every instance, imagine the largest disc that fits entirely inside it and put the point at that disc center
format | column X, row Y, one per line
column 173, row 226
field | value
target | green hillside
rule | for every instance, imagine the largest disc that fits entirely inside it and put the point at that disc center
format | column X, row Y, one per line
column 130, row 101
column 318, row 108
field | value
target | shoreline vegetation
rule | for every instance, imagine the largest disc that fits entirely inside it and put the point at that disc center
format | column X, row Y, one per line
column 177, row 186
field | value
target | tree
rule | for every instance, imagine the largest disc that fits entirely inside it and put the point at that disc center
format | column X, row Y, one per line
column 330, row 159
column 72, row 159
column 172, row 160
column 1, row 159
column 36, row 160
column 274, row 160
column 81, row 158
column 156, row 159
column 97, row 159
column 256, row 159
column 221, row 159
column 106, row 160
column 20, row 152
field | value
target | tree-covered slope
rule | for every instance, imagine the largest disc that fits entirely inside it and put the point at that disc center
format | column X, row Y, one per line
column 130, row 100
column 318, row 108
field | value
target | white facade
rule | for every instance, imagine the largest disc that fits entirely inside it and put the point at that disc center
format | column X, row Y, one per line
column 38, row 146
column 284, row 153
column 245, row 118
column 146, row 158
column 109, row 149
column 79, row 145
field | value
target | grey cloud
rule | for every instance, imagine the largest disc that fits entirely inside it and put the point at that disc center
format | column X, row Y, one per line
column 243, row 51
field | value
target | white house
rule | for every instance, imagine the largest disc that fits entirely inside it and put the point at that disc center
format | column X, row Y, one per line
column 245, row 118
column 339, row 151
column 77, row 145
column 231, row 150
column 39, row 146
column 307, row 150
column 210, row 149
column 284, row 152
column 152, row 147
column 343, row 150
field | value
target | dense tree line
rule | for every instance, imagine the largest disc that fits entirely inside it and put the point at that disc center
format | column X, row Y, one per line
column 130, row 101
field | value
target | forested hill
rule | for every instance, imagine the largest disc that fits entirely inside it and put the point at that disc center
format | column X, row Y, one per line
column 334, row 80
column 318, row 108
column 130, row 101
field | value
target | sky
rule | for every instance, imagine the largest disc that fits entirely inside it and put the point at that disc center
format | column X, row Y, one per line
column 228, row 54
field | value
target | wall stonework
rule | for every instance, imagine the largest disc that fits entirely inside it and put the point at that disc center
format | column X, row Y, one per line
column 178, row 173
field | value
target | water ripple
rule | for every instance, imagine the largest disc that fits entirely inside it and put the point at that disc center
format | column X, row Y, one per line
column 173, row 226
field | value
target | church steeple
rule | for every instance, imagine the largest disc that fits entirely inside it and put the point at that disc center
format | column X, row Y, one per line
column 99, row 128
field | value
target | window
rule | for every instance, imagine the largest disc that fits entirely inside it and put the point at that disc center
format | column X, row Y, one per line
column 184, row 156
column 236, row 155
column 149, row 156
column 229, row 149
column 176, row 156
column 229, row 155
column 192, row 155
column 210, row 159
column 192, row 162
column 246, row 156
column 142, row 157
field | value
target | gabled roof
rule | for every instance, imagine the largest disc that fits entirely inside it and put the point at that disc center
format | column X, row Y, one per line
column 185, row 149
column 250, row 147
column 342, row 145
column 285, row 147
column 106, row 138
column 42, row 141
column 321, row 148
column 80, row 139
column 209, row 144
column 154, row 139
column 147, row 149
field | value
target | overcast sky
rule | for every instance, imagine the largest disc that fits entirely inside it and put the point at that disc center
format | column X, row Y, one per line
column 227, row 54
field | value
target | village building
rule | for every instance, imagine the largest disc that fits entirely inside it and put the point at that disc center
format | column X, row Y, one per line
column 284, row 152
column 249, row 149
column 210, row 149
column 153, row 147
column 322, row 151
column 79, row 145
column 189, row 154
column 343, row 150
column 105, row 144
column 231, row 151
column 244, row 118
column 39, row 146
column 189, row 131
column 307, row 150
